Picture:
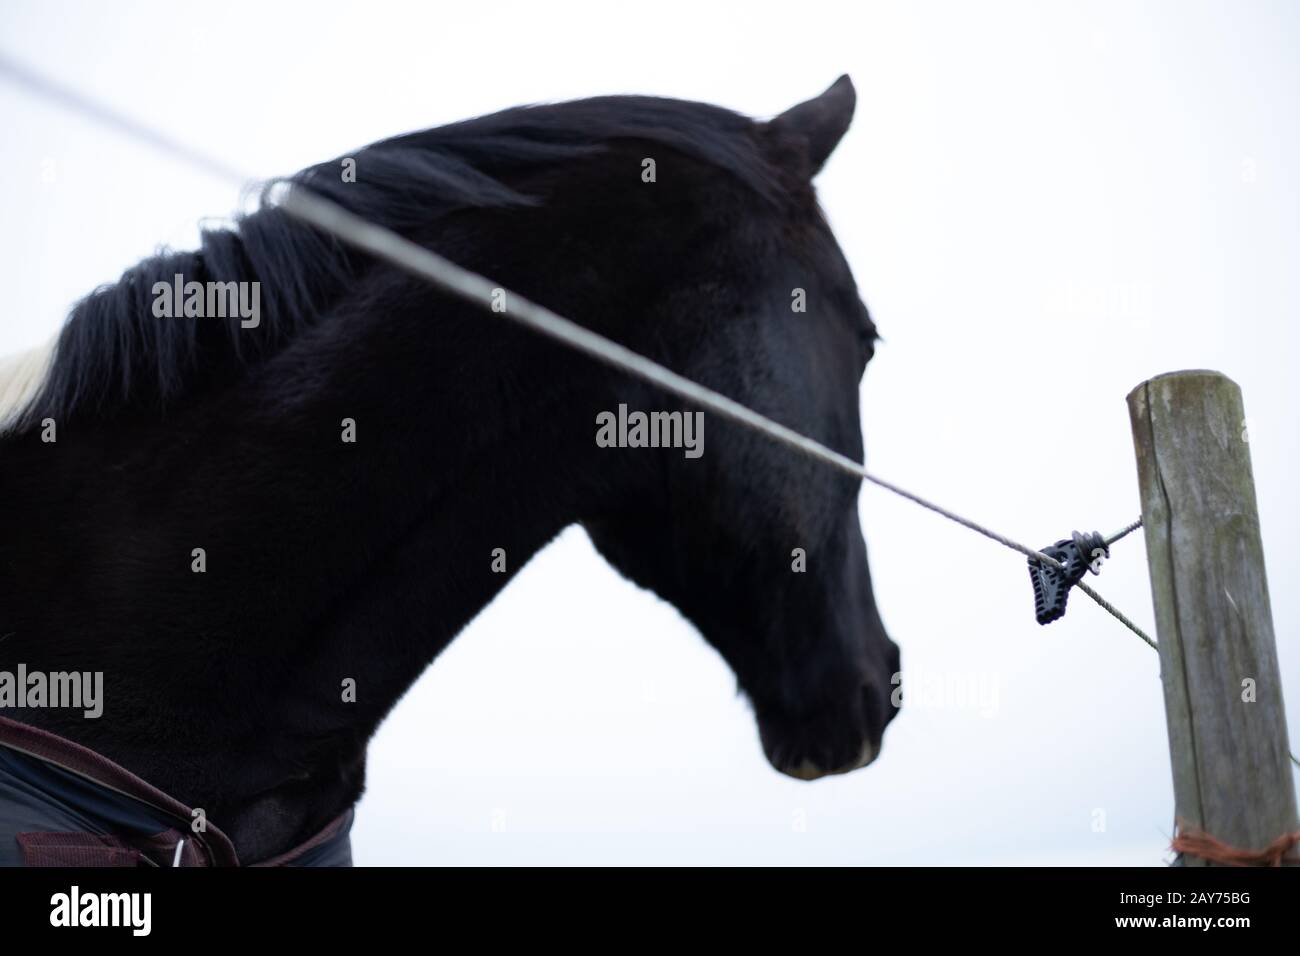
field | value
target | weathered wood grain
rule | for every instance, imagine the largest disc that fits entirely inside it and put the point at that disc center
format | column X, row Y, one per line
column 1232, row 775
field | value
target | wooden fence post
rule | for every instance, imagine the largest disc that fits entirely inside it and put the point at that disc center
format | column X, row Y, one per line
column 1218, row 660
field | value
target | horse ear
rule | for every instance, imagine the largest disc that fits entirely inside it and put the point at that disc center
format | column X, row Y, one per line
column 821, row 122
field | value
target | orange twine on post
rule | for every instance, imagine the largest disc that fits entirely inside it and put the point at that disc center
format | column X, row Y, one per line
column 1196, row 842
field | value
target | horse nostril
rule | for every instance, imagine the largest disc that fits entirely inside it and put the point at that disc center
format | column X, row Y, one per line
column 895, row 689
column 878, row 707
column 895, row 694
column 873, row 706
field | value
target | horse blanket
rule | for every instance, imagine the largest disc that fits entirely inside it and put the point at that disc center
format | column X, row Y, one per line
column 62, row 804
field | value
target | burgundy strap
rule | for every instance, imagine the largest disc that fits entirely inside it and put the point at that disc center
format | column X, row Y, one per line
column 76, row 849
column 217, row 848
column 98, row 768
column 331, row 830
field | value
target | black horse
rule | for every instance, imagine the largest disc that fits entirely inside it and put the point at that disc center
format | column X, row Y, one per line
column 262, row 532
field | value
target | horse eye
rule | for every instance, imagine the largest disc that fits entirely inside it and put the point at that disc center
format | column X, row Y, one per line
column 868, row 339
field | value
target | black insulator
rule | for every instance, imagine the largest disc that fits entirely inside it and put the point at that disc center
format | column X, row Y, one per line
column 1052, row 585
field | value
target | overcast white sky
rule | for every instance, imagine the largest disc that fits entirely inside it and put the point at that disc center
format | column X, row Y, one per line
column 1044, row 204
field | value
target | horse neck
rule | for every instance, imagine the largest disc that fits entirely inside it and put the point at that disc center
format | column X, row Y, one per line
column 330, row 565
column 484, row 450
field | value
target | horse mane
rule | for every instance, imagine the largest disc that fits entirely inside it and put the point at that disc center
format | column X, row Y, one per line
column 113, row 354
